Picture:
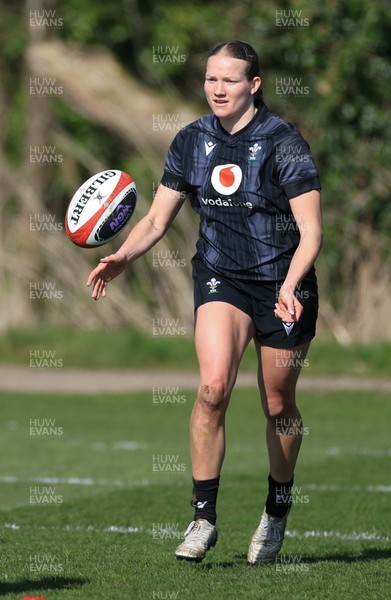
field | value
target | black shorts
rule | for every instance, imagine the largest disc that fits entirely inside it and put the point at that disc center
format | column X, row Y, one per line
column 257, row 299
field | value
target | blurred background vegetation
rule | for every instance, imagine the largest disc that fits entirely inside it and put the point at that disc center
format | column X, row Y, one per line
column 92, row 85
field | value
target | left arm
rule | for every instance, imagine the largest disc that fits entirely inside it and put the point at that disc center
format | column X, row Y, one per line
column 306, row 209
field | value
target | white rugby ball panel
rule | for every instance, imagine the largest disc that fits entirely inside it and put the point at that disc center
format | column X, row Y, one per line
column 88, row 199
column 100, row 208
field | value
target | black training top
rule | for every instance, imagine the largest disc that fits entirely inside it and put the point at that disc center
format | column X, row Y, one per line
column 240, row 184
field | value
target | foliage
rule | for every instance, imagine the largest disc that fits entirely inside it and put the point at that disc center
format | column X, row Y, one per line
column 338, row 55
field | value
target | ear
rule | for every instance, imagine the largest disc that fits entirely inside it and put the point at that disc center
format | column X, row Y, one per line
column 255, row 84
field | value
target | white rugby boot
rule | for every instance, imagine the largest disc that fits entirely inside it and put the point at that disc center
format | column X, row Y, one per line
column 267, row 539
column 199, row 537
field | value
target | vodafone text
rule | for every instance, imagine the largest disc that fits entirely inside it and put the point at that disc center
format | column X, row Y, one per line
column 226, row 202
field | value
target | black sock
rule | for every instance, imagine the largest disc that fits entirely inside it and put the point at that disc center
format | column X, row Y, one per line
column 279, row 499
column 204, row 499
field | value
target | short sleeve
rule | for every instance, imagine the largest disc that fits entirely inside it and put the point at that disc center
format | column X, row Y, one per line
column 173, row 166
column 295, row 167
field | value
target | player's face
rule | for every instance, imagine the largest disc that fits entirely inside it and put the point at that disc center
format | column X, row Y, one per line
column 228, row 91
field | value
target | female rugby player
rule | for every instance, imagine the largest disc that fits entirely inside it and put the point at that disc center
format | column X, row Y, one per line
column 253, row 181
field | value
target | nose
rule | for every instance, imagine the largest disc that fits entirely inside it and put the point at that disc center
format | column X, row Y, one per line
column 219, row 88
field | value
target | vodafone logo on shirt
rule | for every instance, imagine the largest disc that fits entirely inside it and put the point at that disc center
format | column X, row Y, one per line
column 226, row 179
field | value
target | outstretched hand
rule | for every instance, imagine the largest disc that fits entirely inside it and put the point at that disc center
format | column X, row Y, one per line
column 108, row 268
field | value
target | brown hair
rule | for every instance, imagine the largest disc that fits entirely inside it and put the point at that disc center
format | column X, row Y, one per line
column 243, row 51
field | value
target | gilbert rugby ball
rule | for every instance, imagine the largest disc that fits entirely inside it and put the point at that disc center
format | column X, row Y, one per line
column 100, row 208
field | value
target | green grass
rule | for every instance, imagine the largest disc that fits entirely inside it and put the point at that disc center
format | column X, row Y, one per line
column 130, row 349
column 110, row 441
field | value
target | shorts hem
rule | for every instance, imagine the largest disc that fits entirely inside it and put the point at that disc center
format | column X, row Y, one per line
column 287, row 344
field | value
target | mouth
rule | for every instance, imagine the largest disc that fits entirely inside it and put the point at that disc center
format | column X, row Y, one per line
column 220, row 102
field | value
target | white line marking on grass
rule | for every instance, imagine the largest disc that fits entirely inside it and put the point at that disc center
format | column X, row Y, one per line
column 10, row 526
column 119, row 445
column 126, row 530
column 130, row 445
column 354, row 535
column 354, row 488
column 87, row 481
column 327, row 487
column 123, row 529
column 371, row 452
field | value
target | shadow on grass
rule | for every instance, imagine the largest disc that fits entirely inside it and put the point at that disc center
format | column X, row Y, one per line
column 218, row 565
column 46, row 583
column 366, row 555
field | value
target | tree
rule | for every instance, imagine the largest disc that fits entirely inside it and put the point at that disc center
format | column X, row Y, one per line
column 325, row 67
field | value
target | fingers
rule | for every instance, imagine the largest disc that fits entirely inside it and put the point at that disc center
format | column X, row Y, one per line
column 108, row 268
column 110, row 258
column 282, row 313
column 287, row 306
column 91, row 277
column 97, row 270
column 286, row 316
column 99, row 289
column 288, row 311
column 99, row 283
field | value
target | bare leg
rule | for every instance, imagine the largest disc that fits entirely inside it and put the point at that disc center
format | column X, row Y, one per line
column 222, row 333
column 278, row 374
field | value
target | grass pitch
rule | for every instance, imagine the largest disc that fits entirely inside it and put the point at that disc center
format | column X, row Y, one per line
column 95, row 493
column 130, row 349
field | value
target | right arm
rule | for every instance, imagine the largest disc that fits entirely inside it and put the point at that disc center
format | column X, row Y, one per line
column 148, row 231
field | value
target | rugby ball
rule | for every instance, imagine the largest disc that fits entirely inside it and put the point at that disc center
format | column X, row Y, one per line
column 100, row 208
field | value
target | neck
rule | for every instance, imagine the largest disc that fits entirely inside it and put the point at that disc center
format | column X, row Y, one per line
column 236, row 124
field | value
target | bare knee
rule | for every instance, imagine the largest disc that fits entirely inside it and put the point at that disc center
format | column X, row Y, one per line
column 213, row 397
column 280, row 407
